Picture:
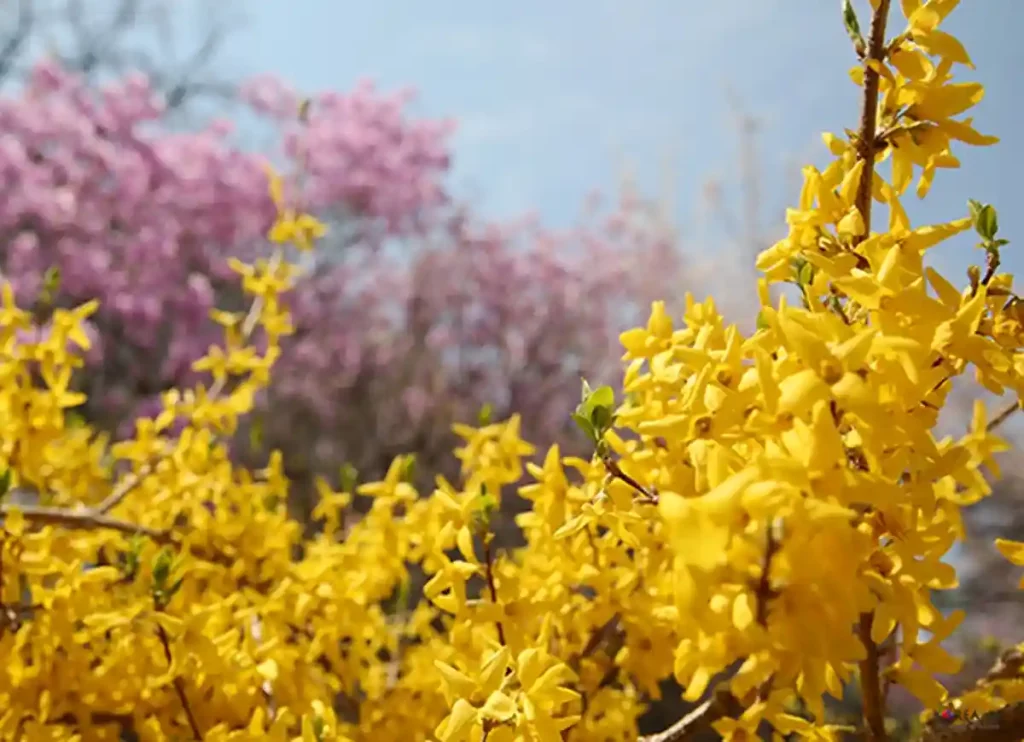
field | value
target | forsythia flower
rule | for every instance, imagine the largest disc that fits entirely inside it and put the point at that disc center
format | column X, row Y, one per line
column 760, row 513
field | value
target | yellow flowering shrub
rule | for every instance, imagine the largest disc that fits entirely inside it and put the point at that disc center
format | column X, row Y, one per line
column 764, row 518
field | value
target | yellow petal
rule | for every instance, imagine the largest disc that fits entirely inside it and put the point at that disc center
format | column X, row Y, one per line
column 1012, row 550
column 498, row 707
column 456, row 727
column 267, row 670
column 941, row 44
column 464, row 540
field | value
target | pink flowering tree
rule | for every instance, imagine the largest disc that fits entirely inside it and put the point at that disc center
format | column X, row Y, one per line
column 413, row 316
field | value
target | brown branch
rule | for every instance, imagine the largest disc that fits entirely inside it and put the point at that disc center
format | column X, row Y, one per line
column 90, row 520
column 492, row 588
column 1002, row 416
column 649, row 496
column 867, row 146
column 765, row 593
column 125, row 488
column 721, row 705
column 179, row 686
column 991, row 266
column 598, row 637
column 84, row 520
column 870, row 688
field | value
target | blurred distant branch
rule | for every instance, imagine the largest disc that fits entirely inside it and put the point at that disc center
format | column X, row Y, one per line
column 974, row 596
column 16, row 38
column 742, row 225
column 107, row 39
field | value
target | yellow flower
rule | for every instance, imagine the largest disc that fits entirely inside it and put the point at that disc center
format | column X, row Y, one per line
column 301, row 230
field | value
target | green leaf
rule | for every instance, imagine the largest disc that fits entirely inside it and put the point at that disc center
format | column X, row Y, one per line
column 601, row 417
column 762, row 321
column 349, row 477
column 132, row 557
column 585, row 425
column 5, row 482
column 483, row 513
column 603, row 396
column 256, row 433
column 51, row 280
column 595, row 412
column 404, row 590
column 986, row 222
column 806, row 275
column 586, row 392
column 975, row 208
column 797, row 264
column 488, row 504
column 162, row 567
column 852, row 24
column 484, row 416
column 409, row 467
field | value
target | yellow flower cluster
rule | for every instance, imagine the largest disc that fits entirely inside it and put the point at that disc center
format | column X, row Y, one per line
column 761, row 514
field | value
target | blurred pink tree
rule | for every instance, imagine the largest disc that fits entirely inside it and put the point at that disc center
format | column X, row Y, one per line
column 422, row 313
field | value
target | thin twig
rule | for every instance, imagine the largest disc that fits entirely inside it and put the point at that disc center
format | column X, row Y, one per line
column 616, row 471
column 179, row 686
column 131, row 481
column 90, row 520
column 598, row 636
column 491, row 586
column 84, row 520
column 721, row 705
column 1002, row 416
column 125, row 487
column 765, row 593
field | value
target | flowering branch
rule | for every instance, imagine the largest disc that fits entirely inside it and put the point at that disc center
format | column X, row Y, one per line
column 90, row 520
column 1002, row 416
column 492, row 588
column 179, row 687
column 84, row 520
column 866, row 135
column 647, row 496
column 722, row 704
column 870, row 682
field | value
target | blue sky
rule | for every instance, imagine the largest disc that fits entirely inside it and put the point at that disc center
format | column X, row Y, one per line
column 553, row 97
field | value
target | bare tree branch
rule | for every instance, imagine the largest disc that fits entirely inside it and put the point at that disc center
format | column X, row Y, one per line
column 100, row 40
column 721, row 705
column 18, row 37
